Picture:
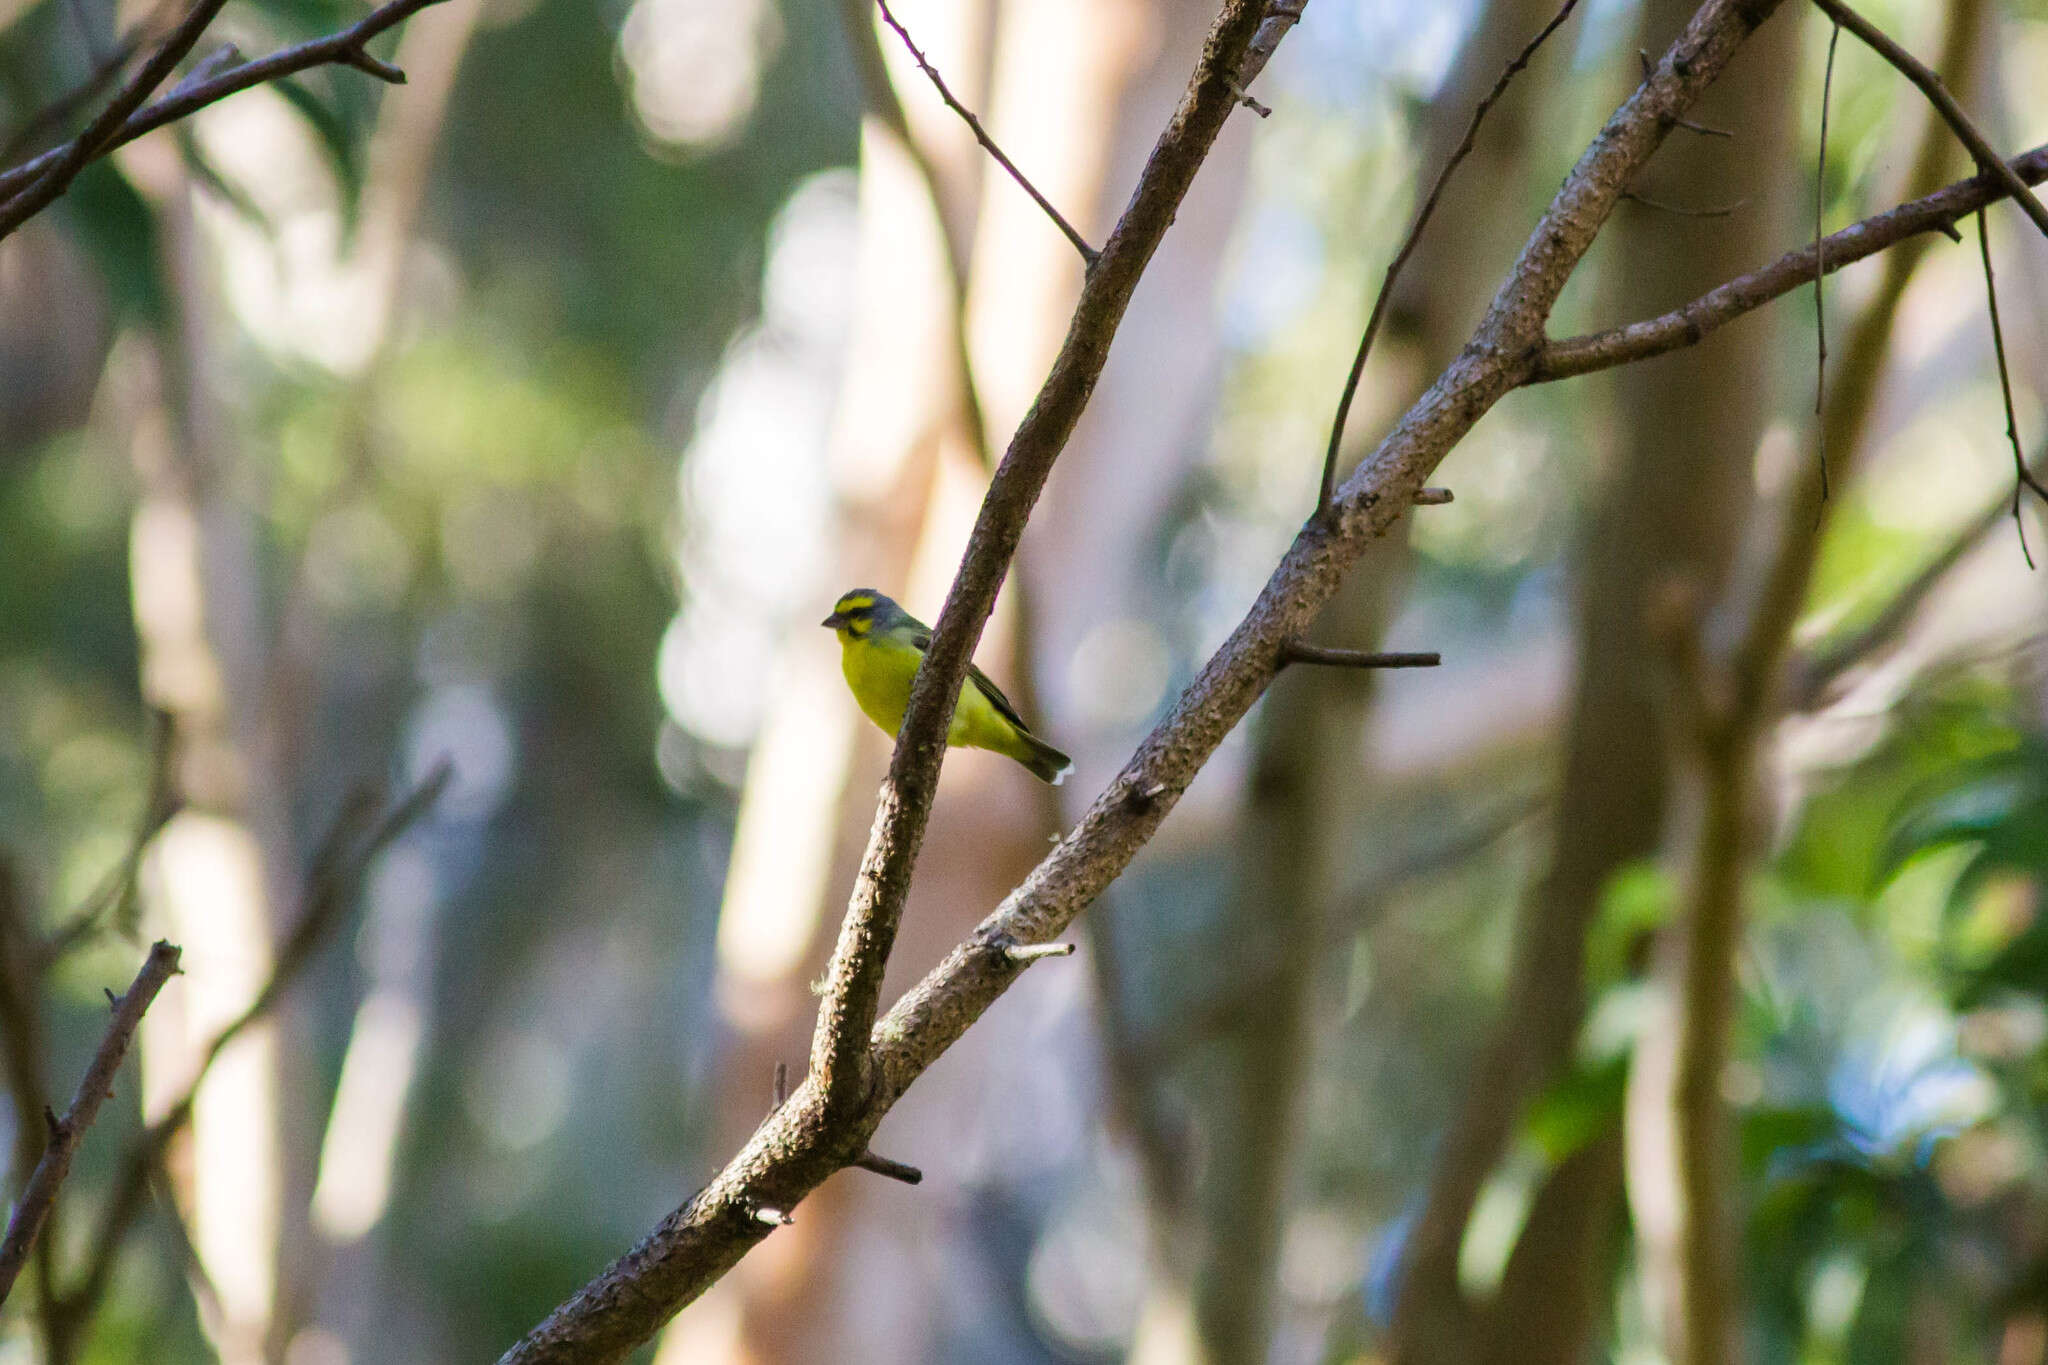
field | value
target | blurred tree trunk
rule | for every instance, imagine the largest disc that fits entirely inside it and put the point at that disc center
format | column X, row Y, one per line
column 1730, row 695
column 1675, row 492
column 1312, row 794
column 217, row 873
column 338, row 1174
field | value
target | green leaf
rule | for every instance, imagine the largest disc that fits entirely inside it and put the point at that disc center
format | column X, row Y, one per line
column 1638, row 900
column 117, row 228
column 1999, row 802
column 1768, row 1130
column 340, row 139
column 1577, row 1109
column 202, row 170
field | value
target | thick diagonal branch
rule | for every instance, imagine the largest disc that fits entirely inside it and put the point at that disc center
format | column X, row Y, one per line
column 829, row 1119
column 854, row 981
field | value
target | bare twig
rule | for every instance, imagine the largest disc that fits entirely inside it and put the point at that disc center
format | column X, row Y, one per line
column 67, row 161
column 1687, row 325
column 1327, row 487
column 36, row 183
column 894, row 1170
column 880, row 97
column 2023, row 478
column 60, row 109
column 66, row 1133
column 99, row 136
column 1820, row 267
column 1088, row 253
column 1989, row 162
column 116, row 892
column 1433, row 497
column 1680, row 210
column 1295, row 652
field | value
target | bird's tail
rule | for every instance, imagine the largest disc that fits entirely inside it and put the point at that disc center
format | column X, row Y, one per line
column 1046, row 763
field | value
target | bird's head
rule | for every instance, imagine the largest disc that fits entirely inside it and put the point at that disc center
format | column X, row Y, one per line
column 860, row 613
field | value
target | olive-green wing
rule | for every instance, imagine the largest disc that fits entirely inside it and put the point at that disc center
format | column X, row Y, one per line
column 922, row 638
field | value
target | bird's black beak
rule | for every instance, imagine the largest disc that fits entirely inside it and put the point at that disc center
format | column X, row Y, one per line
column 834, row 621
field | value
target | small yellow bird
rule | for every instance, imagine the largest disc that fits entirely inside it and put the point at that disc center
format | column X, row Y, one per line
column 881, row 646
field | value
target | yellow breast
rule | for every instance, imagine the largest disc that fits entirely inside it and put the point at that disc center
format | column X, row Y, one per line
column 879, row 671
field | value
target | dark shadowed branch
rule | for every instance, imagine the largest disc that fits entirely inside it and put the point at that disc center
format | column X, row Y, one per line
column 358, row 835
column 2023, row 478
column 40, row 1194
column 35, row 184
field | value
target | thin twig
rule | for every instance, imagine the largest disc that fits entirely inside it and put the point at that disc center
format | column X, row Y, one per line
column 1689, row 324
column 894, row 1170
column 343, row 47
column 1720, row 211
column 99, row 78
column 879, row 95
column 1088, row 253
column 40, row 1194
column 1702, row 129
column 1297, row 653
column 1327, row 488
column 2023, row 478
column 1820, row 269
column 116, row 891
column 1930, row 83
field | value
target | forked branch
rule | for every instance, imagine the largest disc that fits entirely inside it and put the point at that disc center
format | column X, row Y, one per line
column 1931, row 85
column 35, row 184
column 858, row 1072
